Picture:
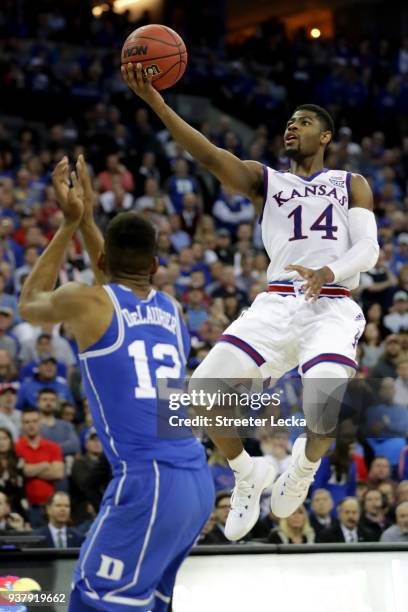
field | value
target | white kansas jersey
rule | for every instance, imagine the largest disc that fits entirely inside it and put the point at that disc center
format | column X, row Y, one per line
column 305, row 221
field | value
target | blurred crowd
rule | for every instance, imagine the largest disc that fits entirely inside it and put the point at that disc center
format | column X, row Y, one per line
column 52, row 469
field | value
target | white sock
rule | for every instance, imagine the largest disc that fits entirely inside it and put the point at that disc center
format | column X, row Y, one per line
column 241, row 465
column 304, row 463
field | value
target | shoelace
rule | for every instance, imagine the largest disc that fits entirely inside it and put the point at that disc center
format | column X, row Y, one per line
column 240, row 497
column 295, row 484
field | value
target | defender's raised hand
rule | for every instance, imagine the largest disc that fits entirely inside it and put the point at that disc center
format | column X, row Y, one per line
column 86, row 184
column 315, row 279
column 141, row 84
column 69, row 198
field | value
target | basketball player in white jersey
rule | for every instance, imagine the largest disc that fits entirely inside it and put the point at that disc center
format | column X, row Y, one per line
column 319, row 230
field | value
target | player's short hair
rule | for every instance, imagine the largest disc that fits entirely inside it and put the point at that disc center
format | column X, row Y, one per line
column 130, row 244
column 324, row 117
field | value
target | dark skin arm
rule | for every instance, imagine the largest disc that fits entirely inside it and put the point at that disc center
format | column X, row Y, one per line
column 244, row 177
column 87, row 309
column 360, row 196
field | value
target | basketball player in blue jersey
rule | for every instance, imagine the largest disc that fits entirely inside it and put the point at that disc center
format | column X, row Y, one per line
column 128, row 335
column 319, row 230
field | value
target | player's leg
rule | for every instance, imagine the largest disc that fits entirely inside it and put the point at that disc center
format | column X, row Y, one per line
column 243, row 358
column 115, row 571
column 188, row 500
column 329, row 334
column 323, row 390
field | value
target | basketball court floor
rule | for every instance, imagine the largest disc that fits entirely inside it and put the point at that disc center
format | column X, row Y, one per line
column 315, row 582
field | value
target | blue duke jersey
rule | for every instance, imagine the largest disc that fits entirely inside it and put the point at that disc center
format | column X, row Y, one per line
column 305, row 221
column 146, row 340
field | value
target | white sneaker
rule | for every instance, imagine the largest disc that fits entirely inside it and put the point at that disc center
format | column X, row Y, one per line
column 245, row 499
column 290, row 490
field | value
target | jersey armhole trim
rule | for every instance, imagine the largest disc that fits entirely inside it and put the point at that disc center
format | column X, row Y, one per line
column 348, row 182
column 178, row 330
column 265, row 175
column 121, row 330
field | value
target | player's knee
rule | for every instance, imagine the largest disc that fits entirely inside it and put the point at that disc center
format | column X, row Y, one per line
column 221, row 370
column 324, row 387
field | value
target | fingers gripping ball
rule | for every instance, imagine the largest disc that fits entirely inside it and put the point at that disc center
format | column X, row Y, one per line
column 160, row 50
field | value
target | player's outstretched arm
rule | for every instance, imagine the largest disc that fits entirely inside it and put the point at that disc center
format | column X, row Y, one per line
column 244, row 177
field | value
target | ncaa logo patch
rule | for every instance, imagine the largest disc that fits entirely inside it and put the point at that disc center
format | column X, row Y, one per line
column 337, row 182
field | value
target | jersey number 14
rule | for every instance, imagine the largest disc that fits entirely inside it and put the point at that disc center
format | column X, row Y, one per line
column 324, row 223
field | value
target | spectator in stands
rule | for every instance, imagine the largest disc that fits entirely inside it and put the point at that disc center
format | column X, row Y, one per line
column 52, row 344
column 348, row 529
column 397, row 319
column 98, row 479
column 53, row 428
column 7, row 340
column 380, row 471
column 180, row 183
column 68, row 412
column 321, row 511
column 58, row 534
column 398, row 532
column 9, row 521
column 114, row 169
column 207, row 535
column 374, row 514
column 387, row 365
column 401, row 383
column 30, row 257
column 361, row 488
column 11, row 473
column 151, row 193
column 8, row 372
column 337, row 471
column 190, row 213
column 232, row 209
column 295, row 529
column 80, row 474
column 372, row 346
column 402, row 491
column 387, row 418
column 10, row 418
column 7, row 300
column 222, row 507
column 196, row 313
column 43, row 349
column 43, row 464
column 45, row 379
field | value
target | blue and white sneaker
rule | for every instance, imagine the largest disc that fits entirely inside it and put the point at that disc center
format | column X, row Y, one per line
column 291, row 488
column 245, row 499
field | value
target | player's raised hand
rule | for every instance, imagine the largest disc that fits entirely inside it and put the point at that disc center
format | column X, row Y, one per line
column 315, row 279
column 69, row 197
column 75, row 204
column 141, row 84
column 60, row 181
column 86, row 184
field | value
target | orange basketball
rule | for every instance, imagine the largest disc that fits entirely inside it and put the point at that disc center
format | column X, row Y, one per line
column 160, row 50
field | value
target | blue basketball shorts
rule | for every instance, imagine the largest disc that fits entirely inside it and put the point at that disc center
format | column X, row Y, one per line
column 148, row 521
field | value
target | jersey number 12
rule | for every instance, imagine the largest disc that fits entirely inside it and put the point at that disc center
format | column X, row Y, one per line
column 138, row 351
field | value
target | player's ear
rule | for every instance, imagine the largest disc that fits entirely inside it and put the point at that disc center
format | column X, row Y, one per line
column 325, row 138
column 155, row 266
